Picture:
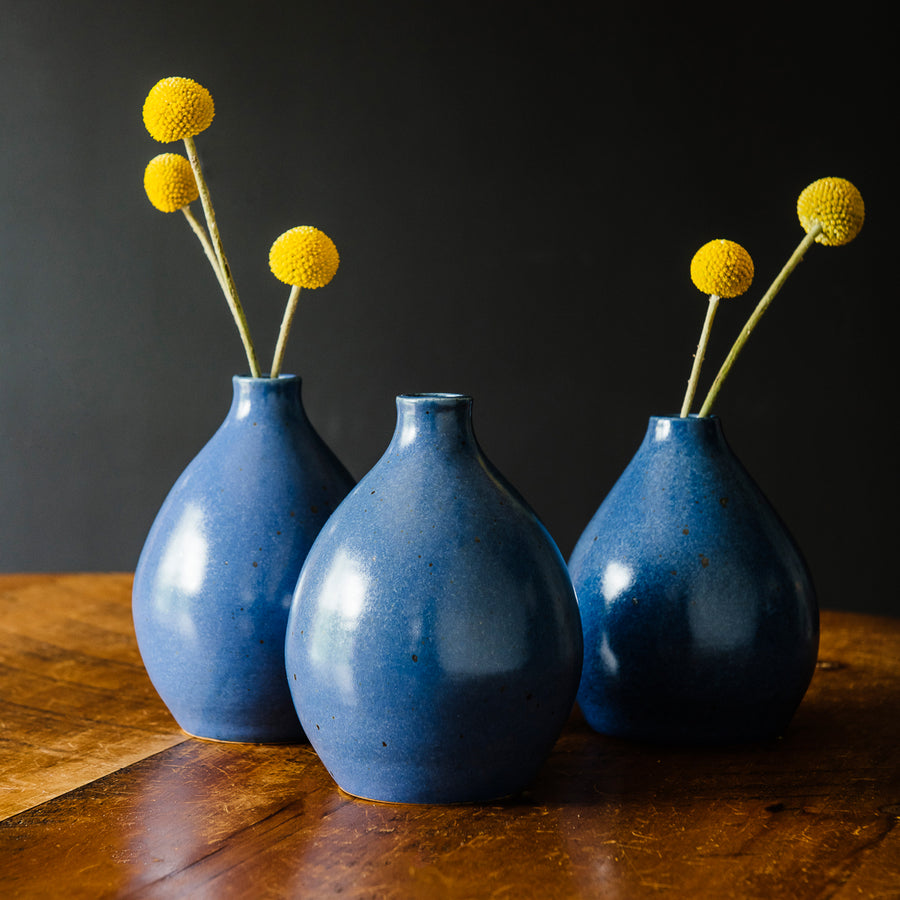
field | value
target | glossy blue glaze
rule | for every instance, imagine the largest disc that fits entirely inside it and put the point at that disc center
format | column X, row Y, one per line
column 434, row 645
column 215, row 578
column 700, row 619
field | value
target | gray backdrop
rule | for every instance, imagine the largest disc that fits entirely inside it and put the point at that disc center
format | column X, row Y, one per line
column 516, row 191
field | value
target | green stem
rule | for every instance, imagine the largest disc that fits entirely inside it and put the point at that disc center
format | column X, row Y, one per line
column 207, row 247
column 761, row 307
column 700, row 354
column 230, row 290
column 283, row 332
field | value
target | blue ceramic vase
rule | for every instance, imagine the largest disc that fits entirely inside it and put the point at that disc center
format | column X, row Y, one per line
column 700, row 619
column 434, row 645
column 216, row 575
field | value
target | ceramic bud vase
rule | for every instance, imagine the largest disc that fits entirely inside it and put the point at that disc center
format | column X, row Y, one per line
column 434, row 645
column 700, row 619
column 215, row 578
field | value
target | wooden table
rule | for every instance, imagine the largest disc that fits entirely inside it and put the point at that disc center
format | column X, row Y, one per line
column 101, row 795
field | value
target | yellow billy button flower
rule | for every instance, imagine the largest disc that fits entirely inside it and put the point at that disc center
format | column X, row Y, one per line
column 169, row 182
column 723, row 268
column 303, row 257
column 177, row 108
column 719, row 268
column 170, row 185
column 836, row 206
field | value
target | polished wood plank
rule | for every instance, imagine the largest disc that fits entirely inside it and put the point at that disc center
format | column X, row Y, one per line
column 814, row 814
column 75, row 702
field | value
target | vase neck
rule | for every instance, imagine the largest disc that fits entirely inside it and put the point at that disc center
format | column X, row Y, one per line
column 437, row 420
column 691, row 432
column 255, row 396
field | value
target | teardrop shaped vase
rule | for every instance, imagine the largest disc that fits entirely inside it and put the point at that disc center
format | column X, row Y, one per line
column 700, row 619
column 434, row 645
column 217, row 572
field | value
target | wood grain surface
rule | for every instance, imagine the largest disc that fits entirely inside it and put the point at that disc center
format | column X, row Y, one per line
column 75, row 701
column 813, row 814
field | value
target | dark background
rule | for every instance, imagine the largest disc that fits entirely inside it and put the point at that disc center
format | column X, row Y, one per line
column 516, row 191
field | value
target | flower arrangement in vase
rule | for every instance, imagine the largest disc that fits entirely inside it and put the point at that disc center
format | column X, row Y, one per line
column 217, row 572
column 699, row 613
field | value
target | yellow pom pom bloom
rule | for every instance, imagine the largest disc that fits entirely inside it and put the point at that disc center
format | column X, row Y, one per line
column 177, row 108
column 169, row 182
column 836, row 205
column 723, row 268
column 304, row 257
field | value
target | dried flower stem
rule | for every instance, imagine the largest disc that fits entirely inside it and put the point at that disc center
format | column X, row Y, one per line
column 699, row 355
column 198, row 229
column 230, row 291
column 285, row 329
column 814, row 231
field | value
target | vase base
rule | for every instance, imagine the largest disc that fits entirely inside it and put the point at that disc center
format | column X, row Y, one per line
column 390, row 802
column 301, row 739
column 692, row 734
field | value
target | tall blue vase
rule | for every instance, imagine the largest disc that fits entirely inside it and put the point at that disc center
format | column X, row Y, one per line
column 216, row 575
column 700, row 619
column 434, row 645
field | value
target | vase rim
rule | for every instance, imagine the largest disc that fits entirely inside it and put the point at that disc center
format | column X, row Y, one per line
column 693, row 417
column 435, row 396
column 265, row 378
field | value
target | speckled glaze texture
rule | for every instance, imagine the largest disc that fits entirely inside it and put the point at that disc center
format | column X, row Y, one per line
column 700, row 619
column 434, row 644
column 216, row 575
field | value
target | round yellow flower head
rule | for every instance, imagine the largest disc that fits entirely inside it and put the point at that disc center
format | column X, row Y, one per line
column 723, row 268
column 305, row 257
column 837, row 205
column 177, row 108
column 169, row 182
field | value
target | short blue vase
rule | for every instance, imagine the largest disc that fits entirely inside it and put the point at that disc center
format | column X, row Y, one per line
column 700, row 619
column 434, row 644
column 216, row 575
